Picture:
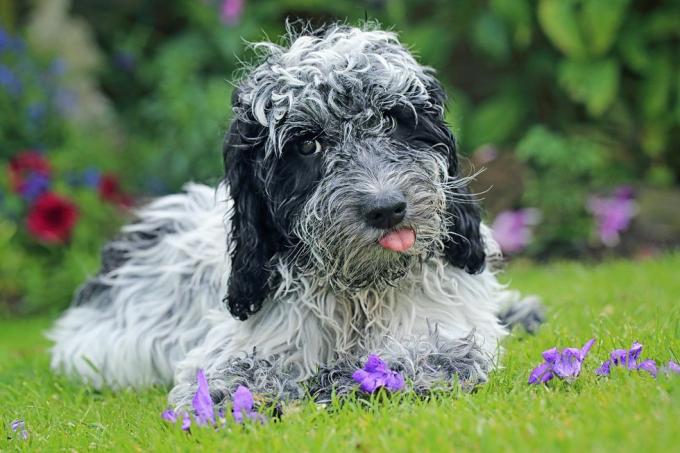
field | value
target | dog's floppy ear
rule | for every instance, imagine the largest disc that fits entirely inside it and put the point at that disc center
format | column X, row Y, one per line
column 253, row 241
column 463, row 246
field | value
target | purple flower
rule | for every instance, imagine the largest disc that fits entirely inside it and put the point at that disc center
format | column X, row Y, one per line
column 231, row 10
column 613, row 215
column 243, row 404
column 169, row 416
column 35, row 185
column 673, row 367
column 186, row 421
column 565, row 364
column 513, row 229
column 649, row 366
column 485, row 154
column 629, row 359
column 376, row 374
column 18, row 426
column 202, row 402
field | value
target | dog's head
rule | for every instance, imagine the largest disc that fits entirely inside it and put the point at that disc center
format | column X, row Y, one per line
column 339, row 162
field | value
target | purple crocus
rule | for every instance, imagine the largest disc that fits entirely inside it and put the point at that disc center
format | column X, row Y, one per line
column 231, row 11
column 565, row 364
column 629, row 359
column 376, row 374
column 202, row 402
column 18, row 426
column 243, row 405
column 613, row 214
column 513, row 229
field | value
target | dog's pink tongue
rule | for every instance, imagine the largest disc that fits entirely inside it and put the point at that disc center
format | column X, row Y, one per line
column 399, row 241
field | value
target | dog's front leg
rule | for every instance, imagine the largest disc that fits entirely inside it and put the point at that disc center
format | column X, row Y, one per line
column 427, row 363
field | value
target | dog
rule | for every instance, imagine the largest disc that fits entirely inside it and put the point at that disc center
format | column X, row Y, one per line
column 343, row 228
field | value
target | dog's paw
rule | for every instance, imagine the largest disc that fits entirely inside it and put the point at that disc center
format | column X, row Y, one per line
column 528, row 313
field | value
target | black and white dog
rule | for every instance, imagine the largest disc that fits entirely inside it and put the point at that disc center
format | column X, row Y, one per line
column 343, row 229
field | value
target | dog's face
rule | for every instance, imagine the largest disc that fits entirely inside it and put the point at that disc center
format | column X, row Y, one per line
column 340, row 163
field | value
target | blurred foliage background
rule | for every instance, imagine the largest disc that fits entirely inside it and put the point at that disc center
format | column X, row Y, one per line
column 572, row 106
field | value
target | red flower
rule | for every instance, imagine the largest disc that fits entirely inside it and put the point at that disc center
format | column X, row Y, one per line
column 25, row 164
column 52, row 218
column 109, row 190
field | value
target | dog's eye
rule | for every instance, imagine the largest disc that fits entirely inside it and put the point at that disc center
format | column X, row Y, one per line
column 308, row 147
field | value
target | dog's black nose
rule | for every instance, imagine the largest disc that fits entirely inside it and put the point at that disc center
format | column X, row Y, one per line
column 385, row 210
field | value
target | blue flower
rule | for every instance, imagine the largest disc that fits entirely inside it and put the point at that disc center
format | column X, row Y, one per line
column 36, row 111
column 57, row 67
column 91, row 177
column 9, row 81
column 5, row 40
column 35, row 185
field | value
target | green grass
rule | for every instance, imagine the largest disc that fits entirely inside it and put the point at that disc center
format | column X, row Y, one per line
column 616, row 302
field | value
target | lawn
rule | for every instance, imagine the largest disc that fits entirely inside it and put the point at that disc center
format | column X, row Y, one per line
column 616, row 302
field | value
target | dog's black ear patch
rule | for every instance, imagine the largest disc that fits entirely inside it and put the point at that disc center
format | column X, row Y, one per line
column 253, row 240
column 464, row 246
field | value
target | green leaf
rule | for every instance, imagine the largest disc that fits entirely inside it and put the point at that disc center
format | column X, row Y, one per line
column 656, row 87
column 518, row 14
column 491, row 37
column 495, row 120
column 601, row 20
column 559, row 22
column 593, row 83
column 633, row 49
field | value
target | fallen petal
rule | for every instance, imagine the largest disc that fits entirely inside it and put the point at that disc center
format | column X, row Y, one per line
column 618, row 356
column 673, row 367
column 586, row 348
column 540, row 374
column 375, row 364
column 648, row 366
column 634, row 355
column 243, row 403
column 568, row 365
column 186, row 421
column 17, row 424
column 604, row 369
column 395, row 382
column 376, row 374
column 551, row 355
column 169, row 416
